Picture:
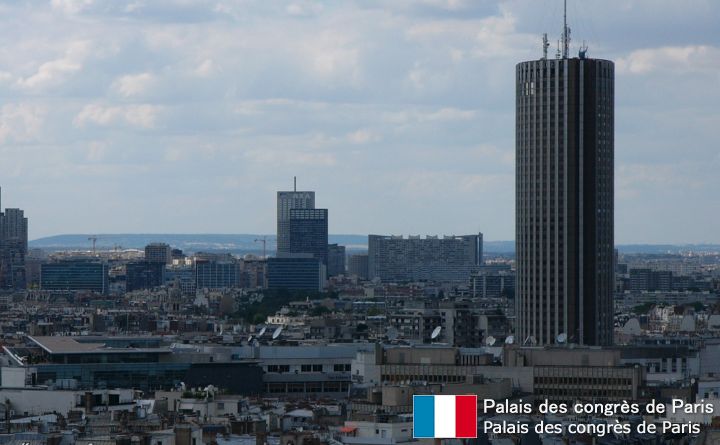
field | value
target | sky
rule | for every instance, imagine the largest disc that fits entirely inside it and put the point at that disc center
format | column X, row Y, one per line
column 180, row 116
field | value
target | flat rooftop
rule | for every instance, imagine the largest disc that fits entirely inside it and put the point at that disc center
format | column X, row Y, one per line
column 72, row 345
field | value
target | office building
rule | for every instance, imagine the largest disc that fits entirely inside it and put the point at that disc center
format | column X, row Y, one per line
column 144, row 363
column 336, row 260
column 358, row 266
column 75, row 275
column 564, row 199
column 13, row 248
column 446, row 259
column 309, row 233
column 159, row 253
column 217, row 271
column 287, row 201
column 296, row 272
column 144, row 275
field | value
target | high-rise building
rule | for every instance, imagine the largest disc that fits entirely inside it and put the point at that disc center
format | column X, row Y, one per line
column 286, row 201
column 336, row 260
column 309, row 233
column 144, row 275
column 358, row 265
column 75, row 275
column 159, row 253
column 217, row 271
column 13, row 248
column 564, row 198
column 296, row 272
column 446, row 259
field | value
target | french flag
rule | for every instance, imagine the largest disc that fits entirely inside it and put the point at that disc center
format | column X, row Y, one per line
column 445, row 417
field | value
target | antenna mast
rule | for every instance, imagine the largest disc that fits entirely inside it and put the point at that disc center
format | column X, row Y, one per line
column 545, row 46
column 566, row 33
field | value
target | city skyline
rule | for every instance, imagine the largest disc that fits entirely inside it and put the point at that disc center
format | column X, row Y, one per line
column 402, row 108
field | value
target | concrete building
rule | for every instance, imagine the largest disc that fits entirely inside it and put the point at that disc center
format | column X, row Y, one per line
column 564, row 199
column 145, row 363
column 336, row 260
column 446, row 259
column 75, row 275
column 287, row 201
column 358, row 266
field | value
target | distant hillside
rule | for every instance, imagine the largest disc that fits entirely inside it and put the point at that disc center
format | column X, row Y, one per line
column 245, row 243
column 236, row 243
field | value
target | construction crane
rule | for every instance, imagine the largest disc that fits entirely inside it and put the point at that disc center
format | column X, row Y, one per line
column 263, row 240
column 94, row 239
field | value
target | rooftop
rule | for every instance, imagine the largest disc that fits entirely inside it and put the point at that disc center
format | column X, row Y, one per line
column 72, row 345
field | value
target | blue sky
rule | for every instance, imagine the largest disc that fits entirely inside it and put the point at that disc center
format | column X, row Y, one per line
column 179, row 116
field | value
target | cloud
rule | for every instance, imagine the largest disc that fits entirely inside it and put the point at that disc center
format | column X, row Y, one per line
column 71, row 6
column 134, row 84
column 143, row 116
column 21, row 122
column 682, row 59
column 362, row 136
column 56, row 71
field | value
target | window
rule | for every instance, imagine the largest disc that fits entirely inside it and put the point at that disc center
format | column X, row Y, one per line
column 341, row 367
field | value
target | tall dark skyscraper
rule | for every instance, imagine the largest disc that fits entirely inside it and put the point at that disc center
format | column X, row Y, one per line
column 13, row 248
column 309, row 232
column 287, row 201
column 564, row 198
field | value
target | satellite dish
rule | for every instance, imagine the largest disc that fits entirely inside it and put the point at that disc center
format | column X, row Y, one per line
column 532, row 339
column 392, row 333
column 510, row 340
column 249, row 339
column 490, row 341
column 435, row 333
column 256, row 343
column 561, row 338
column 262, row 331
column 277, row 332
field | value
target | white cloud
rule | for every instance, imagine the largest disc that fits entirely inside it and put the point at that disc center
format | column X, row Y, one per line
column 205, row 69
column 71, row 6
column 56, row 71
column 143, row 115
column 362, row 136
column 21, row 122
column 134, row 84
column 671, row 58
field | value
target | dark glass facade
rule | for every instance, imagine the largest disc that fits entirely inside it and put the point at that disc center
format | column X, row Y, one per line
column 75, row 275
column 295, row 273
column 564, row 200
column 309, row 232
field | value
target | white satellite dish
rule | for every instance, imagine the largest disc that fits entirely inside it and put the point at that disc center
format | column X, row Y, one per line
column 249, row 339
column 561, row 338
column 277, row 332
column 435, row 333
column 510, row 340
column 490, row 341
column 392, row 333
column 262, row 331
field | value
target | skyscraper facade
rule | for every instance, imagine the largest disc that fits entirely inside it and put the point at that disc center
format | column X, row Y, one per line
column 446, row 259
column 564, row 200
column 287, row 201
column 309, row 233
column 13, row 248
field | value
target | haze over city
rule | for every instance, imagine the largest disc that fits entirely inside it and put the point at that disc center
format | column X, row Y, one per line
column 186, row 117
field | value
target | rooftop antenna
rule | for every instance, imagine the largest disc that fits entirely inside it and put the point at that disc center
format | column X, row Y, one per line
column 566, row 32
column 294, row 183
column 545, row 46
